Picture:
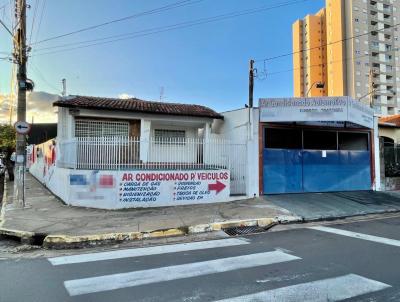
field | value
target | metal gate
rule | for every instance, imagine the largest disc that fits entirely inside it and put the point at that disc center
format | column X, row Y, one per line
column 238, row 167
column 297, row 171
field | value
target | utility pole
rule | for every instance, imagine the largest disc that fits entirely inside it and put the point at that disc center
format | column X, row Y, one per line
column 251, row 83
column 21, row 58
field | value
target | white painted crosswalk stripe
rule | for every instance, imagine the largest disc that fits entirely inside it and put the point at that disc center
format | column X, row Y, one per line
column 377, row 239
column 147, row 251
column 130, row 279
column 332, row 289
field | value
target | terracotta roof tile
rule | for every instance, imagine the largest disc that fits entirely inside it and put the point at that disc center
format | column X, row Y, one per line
column 390, row 120
column 137, row 105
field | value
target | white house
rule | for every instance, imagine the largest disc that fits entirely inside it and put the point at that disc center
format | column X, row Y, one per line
column 116, row 153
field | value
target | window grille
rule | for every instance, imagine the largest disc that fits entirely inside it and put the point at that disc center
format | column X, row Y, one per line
column 169, row 136
column 93, row 128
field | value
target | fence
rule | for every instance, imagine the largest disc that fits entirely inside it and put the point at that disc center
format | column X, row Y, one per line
column 391, row 155
column 123, row 153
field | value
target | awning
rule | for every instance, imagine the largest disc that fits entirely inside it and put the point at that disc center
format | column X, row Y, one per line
column 321, row 109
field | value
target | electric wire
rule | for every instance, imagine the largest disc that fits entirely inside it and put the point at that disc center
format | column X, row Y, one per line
column 39, row 73
column 162, row 29
column 330, row 62
column 33, row 20
column 40, row 19
column 145, row 13
column 326, row 44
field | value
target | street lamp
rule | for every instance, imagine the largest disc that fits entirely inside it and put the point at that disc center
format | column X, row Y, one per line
column 318, row 84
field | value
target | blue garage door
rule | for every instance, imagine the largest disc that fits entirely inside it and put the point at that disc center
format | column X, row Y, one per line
column 296, row 170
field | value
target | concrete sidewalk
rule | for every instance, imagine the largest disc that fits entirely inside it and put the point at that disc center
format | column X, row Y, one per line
column 46, row 217
column 336, row 205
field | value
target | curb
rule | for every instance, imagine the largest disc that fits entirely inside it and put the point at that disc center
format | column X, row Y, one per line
column 67, row 241
column 24, row 236
column 62, row 241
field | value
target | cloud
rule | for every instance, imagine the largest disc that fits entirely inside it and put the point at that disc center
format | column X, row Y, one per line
column 125, row 96
column 39, row 106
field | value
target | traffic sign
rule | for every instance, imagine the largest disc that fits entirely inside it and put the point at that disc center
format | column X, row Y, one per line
column 22, row 127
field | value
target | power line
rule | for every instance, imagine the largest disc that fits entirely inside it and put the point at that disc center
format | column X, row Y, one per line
column 40, row 19
column 316, row 65
column 44, row 79
column 162, row 29
column 326, row 44
column 145, row 13
column 330, row 62
column 33, row 20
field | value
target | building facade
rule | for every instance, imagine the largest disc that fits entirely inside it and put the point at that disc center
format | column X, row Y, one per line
column 111, row 153
column 352, row 48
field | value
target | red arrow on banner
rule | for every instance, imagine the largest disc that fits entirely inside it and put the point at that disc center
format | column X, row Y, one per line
column 218, row 187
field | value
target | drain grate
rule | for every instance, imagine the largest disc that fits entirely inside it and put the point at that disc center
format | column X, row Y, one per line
column 245, row 230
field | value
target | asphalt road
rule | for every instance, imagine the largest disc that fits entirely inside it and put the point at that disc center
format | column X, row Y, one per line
column 356, row 261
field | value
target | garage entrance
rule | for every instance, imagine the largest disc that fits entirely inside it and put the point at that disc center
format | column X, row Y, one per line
column 299, row 159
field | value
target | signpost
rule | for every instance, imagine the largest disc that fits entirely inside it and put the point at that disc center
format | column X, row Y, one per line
column 22, row 127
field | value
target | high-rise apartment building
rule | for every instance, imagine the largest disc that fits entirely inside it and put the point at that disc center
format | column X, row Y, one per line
column 352, row 48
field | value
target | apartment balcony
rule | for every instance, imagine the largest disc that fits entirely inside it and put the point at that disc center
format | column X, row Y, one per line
column 390, row 81
column 374, row 47
column 388, row 27
column 374, row 29
column 387, row 10
column 378, row 60
column 387, row 72
column 374, row 17
column 387, row 93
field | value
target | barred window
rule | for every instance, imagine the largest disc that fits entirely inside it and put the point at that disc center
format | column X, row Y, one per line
column 96, row 128
column 169, row 136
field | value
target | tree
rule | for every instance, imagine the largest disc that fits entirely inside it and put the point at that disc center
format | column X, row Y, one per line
column 7, row 138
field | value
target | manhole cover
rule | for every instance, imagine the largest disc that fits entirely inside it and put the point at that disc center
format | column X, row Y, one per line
column 244, row 230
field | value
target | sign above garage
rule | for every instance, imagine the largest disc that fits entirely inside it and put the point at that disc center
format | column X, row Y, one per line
column 321, row 109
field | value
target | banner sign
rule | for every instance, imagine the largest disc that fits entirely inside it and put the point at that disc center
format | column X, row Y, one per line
column 322, row 109
column 126, row 189
column 173, row 187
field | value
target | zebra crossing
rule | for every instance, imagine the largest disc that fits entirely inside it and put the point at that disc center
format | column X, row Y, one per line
column 335, row 288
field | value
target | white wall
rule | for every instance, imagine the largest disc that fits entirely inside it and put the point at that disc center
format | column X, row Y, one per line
column 126, row 192
column 65, row 125
column 242, row 125
column 377, row 160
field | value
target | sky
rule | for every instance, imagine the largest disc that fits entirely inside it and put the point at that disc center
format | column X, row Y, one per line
column 203, row 64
